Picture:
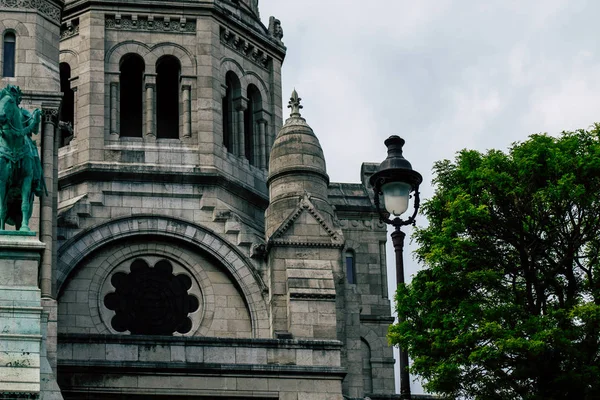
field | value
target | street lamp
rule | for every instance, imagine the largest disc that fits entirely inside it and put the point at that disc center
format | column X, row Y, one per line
column 395, row 180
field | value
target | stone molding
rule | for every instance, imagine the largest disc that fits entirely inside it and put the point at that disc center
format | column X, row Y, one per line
column 314, row 344
column 244, row 47
column 149, row 23
column 46, row 8
column 312, row 296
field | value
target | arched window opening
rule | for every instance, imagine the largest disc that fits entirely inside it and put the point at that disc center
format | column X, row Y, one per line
column 67, row 108
column 366, row 367
column 8, row 54
column 350, row 267
column 252, row 145
column 232, row 92
column 131, row 83
column 168, row 72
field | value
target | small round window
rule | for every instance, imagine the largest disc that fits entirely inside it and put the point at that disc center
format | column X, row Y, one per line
column 151, row 300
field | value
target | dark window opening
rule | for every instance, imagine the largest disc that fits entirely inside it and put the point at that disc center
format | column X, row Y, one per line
column 8, row 53
column 232, row 92
column 131, row 107
column 226, row 122
column 151, row 301
column 167, row 98
column 252, row 150
column 67, row 108
column 350, row 267
column 249, row 132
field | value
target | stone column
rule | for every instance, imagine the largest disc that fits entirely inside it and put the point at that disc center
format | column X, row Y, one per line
column 74, row 89
column 150, row 105
column 240, row 105
column 47, row 218
column 150, row 131
column 187, row 111
column 114, row 108
column 262, row 146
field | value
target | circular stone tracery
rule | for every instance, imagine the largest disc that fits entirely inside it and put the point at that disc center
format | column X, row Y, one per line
column 151, row 301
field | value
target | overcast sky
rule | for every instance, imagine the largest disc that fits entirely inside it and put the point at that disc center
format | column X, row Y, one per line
column 442, row 74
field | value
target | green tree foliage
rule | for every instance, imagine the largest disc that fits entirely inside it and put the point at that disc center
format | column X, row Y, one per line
column 508, row 305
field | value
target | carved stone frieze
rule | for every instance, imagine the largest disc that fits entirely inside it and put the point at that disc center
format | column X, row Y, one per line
column 150, row 23
column 242, row 46
column 19, row 395
column 44, row 7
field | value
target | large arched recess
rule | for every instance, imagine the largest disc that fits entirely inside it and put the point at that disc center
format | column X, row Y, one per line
column 72, row 252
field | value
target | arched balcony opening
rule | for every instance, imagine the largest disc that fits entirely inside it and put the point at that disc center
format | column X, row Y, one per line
column 168, row 70
column 251, row 132
column 229, row 112
column 67, row 108
column 132, row 90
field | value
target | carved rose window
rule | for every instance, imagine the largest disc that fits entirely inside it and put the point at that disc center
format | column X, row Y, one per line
column 151, row 301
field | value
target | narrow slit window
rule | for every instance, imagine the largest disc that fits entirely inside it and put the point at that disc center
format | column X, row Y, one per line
column 230, row 127
column 350, row 267
column 251, row 141
column 8, row 53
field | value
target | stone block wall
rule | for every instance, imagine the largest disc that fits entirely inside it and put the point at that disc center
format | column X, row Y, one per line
column 267, row 369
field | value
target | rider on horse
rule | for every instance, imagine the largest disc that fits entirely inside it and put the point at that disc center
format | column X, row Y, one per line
column 20, row 167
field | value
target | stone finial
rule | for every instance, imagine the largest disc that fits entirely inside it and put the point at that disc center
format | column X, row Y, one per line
column 295, row 105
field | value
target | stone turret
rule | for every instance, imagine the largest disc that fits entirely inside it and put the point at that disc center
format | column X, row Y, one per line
column 296, row 168
column 299, row 220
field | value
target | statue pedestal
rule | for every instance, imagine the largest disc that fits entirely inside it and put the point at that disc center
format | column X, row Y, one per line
column 20, row 315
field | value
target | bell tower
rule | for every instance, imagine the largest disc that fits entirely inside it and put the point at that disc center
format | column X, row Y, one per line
column 174, row 109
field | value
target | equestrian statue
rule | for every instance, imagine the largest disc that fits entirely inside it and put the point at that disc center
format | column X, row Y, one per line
column 21, row 175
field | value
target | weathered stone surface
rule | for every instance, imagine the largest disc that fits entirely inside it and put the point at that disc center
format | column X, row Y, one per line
column 252, row 225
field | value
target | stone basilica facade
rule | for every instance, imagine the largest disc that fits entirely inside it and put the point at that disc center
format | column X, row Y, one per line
column 191, row 245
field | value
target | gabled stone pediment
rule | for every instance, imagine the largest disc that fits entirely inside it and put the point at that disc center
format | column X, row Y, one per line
column 306, row 226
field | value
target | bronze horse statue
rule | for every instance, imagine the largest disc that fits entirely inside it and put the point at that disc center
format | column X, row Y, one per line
column 21, row 174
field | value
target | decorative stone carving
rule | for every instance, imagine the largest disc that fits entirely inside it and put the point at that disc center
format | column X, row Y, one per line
column 151, row 301
column 50, row 115
column 44, row 7
column 275, row 29
column 244, row 47
column 69, row 29
column 135, row 23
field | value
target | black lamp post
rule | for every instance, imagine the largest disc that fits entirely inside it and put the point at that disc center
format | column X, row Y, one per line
column 395, row 180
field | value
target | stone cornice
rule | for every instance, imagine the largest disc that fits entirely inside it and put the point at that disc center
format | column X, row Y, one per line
column 258, row 34
column 316, row 344
column 244, row 47
column 47, row 8
column 124, row 367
